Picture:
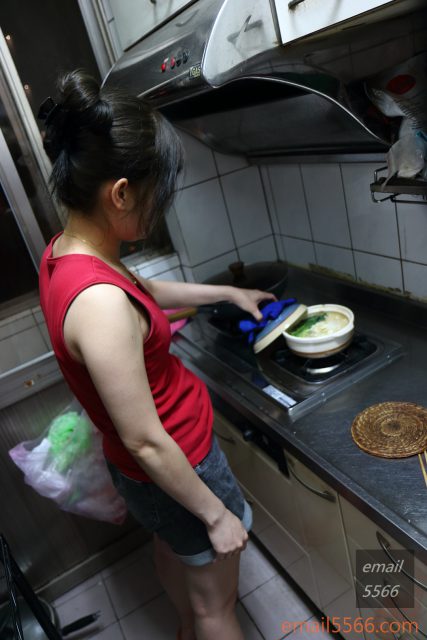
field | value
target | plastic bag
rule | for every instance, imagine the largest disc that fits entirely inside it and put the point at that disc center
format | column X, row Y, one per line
column 67, row 465
column 402, row 91
column 406, row 158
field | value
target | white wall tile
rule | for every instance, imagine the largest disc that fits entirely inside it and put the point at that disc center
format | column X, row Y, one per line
column 20, row 348
column 227, row 163
column 46, row 337
column 415, row 280
column 160, row 264
column 413, row 231
column 371, row 60
column 268, row 191
column 326, row 204
column 379, row 271
column 199, row 161
column 246, row 205
column 188, row 274
column 213, row 267
column 259, row 251
column 420, row 39
column 335, row 258
column 281, row 253
column 289, row 200
column 16, row 323
column 38, row 314
column 175, row 275
column 176, row 234
column 203, row 220
column 373, row 226
column 299, row 252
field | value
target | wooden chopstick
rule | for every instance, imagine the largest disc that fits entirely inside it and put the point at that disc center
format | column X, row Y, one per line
column 422, row 466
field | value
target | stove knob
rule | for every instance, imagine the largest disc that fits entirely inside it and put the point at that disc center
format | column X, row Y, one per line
column 248, row 434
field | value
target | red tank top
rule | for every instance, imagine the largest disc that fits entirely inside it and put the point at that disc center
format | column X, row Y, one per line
column 182, row 400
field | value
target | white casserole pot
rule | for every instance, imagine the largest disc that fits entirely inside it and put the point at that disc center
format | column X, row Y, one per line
column 322, row 346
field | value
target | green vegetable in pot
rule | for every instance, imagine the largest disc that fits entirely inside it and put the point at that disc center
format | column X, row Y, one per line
column 304, row 326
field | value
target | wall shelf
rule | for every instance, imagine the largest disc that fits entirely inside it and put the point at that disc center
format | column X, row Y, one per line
column 396, row 187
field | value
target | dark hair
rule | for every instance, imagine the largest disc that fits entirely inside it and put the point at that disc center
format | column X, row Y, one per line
column 101, row 134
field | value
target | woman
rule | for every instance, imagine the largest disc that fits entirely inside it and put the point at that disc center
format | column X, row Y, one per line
column 115, row 163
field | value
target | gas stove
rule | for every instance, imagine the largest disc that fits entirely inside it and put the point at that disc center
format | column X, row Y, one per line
column 294, row 384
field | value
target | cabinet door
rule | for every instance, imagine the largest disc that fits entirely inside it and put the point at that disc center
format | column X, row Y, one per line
column 305, row 17
column 363, row 534
column 324, row 537
column 260, row 476
column 288, row 553
column 133, row 19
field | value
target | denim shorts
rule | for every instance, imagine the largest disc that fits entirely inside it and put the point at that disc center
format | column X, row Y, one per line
column 186, row 534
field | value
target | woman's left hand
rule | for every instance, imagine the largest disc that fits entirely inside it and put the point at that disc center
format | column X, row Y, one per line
column 249, row 299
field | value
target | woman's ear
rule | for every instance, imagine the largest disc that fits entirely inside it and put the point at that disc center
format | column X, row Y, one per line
column 120, row 195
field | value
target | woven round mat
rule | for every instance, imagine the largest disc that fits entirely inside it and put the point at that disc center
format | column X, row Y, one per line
column 391, row 429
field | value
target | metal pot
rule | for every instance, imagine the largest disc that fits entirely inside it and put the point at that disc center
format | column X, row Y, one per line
column 265, row 276
column 322, row 346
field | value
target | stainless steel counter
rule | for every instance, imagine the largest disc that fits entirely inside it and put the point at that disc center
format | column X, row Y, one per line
column 389, row 491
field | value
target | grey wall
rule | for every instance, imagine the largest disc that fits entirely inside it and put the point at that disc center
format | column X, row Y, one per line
column 312, row 215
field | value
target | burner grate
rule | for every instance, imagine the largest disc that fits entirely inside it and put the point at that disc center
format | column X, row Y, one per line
column 322, row 369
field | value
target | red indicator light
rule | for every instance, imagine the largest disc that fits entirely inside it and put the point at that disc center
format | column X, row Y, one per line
column 163, row 67
column 401, row 84
column 172, row 63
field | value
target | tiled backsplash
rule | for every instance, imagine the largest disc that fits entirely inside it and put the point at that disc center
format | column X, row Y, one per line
column 313, row 215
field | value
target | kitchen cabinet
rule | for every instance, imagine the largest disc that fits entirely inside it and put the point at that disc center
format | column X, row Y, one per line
column 301, row 18
column 133, row 19
column 260, row 476
column 363, row 534
column 325, row 542
column 276, row 521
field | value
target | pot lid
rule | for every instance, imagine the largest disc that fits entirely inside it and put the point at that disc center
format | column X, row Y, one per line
column 289, row 316
column 259, row 275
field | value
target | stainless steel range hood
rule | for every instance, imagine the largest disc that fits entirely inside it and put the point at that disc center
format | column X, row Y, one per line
column 218, row 71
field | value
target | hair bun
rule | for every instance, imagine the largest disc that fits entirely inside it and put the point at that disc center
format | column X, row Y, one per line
column 79, row 94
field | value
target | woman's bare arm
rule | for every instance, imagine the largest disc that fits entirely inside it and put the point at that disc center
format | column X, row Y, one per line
column 182, row 294
column 106, row 331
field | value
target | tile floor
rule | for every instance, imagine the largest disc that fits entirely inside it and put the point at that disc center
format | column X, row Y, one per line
column 134, row 606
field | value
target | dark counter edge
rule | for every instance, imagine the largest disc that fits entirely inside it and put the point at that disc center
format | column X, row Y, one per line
column 410, row 312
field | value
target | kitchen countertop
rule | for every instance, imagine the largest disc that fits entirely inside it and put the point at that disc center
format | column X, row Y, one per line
column 391, row 492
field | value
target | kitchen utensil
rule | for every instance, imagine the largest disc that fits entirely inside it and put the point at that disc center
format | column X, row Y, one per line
column 325, row 345
column 265, row 276
column 422, row 465
column 391, row 429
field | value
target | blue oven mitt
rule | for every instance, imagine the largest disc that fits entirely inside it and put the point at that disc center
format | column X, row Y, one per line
column 270, row 312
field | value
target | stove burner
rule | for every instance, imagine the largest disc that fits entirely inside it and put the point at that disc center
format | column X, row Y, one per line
column 324, row 365
column 321, row 369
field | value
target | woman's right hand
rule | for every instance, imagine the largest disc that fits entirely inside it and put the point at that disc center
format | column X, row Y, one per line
column 228, row 535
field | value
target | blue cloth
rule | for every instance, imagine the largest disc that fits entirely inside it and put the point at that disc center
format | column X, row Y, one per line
column 270, row 312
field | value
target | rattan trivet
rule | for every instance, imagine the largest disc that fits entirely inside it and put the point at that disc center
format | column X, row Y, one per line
column 391, row 429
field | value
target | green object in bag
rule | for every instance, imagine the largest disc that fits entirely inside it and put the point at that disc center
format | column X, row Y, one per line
column 69, row 436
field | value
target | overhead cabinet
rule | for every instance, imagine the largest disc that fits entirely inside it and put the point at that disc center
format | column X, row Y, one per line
column 133, row 19
column 302, row 18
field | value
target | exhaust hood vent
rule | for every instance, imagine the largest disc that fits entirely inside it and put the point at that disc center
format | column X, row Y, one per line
column 218, row 70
